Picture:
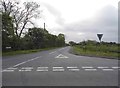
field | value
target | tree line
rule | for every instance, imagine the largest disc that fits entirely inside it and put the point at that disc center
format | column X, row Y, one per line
column 16, row 34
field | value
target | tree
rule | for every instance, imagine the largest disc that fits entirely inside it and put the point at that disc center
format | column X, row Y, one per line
column 21, row 15
column 7, row 31
column 72, row 43
column 61, row 40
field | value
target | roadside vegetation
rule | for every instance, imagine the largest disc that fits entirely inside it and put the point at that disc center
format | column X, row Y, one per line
column 9, row 53
column 93, row 48
column 19, row 33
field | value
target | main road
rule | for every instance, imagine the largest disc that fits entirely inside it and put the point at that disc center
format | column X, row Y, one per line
column 58, row 67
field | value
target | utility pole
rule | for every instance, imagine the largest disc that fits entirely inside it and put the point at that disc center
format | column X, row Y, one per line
column 44, row 26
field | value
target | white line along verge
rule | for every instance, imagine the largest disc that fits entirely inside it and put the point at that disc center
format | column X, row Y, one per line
column 61, row 56
column 87, row 67
column 26, row 61
column 90, row 69
column 107, row 69
column 74, row 69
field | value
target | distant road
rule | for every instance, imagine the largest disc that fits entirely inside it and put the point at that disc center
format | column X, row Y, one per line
column 58, row 68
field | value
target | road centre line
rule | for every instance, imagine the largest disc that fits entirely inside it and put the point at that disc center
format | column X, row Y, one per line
column 26, row 61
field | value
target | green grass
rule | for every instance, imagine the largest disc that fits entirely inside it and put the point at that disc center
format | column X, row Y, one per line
column 100, row 51
column 24, row 51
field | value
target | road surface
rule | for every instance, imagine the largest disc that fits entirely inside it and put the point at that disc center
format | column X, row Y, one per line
column 58, row 67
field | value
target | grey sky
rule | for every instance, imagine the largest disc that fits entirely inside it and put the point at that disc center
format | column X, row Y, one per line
column 80, row 19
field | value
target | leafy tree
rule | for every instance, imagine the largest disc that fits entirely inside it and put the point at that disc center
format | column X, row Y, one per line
column 7, row 30
column 21, row 15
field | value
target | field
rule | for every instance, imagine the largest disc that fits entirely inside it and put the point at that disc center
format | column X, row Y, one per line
column 100, row 50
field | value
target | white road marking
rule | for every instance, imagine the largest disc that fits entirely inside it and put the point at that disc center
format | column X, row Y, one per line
column 26, row 70
column 42, row 69
column 115, row 67
column 87, row 67
column 52, row 52
column 90, row 69
column 58, row 69
column 107, row 69
column 8, row 70
column 12, row 68
column 61, row 56
column 74, row 69
column 103, row 67
column 25, row 61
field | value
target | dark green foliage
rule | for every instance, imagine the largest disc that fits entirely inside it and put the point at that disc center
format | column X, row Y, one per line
column 14, row 21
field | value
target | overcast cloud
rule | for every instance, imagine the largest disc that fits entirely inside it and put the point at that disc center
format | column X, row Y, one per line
column 81, row 22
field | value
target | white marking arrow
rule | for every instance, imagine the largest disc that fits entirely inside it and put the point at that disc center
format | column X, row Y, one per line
column 61, row 56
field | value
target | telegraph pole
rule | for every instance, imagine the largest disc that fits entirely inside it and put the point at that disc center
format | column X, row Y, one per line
column 44, row 26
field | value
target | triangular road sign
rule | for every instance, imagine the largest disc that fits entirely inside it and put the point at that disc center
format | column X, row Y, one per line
column 100, row 36
column 61, row 56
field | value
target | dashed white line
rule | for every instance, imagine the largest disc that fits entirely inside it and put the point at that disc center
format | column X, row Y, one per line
column 8, row 70
column 25, row 61
column 90, row 69
column 42, row 67
column 26, row 70
column 58, row 69
column 115, row 67
column 103, row 67
column 74, row 69
column 107, row 69
column 87, row 67
column 12, row 68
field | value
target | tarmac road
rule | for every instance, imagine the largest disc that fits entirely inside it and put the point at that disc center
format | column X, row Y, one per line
column 58, row 67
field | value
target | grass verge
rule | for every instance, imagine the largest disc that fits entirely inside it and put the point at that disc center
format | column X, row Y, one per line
column 80, row 51
column 10, row 53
